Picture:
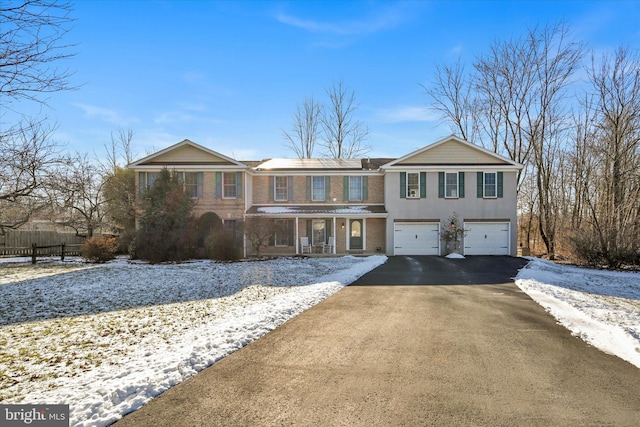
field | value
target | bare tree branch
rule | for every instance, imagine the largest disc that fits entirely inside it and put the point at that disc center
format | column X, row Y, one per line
column 31, row 46
column 302, row 137
column 344, row 136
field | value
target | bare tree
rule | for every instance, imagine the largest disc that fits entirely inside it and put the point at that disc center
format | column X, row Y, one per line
column 614, row 196
column 120, row 152
column 344, row 136
column 259, row 232
column 29, row 158
column 302, row 136
column 452, row 96
column 31, row 47
column 77, row 195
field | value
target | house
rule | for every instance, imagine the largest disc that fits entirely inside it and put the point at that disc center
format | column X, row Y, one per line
column 354, row 206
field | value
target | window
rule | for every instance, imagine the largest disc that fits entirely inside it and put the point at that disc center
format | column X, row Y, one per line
column 281, row 232
column 192, row 183
column 229, row 185
column 490, row 185
column 281, row 188
column 355, row 188
column 413, row 185
column 451, row 185
column 319, row 232
column 146, row 180
column 317, row 188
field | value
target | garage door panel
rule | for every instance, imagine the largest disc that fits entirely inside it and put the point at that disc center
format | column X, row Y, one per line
column 415, row 238
column 487, row 238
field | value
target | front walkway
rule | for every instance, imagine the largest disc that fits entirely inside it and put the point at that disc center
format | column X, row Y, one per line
column 409, row 355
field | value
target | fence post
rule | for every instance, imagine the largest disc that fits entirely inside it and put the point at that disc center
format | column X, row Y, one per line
column 34, row 249
column 62, row 252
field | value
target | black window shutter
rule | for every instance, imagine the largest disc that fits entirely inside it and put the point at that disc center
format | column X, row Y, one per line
column 480, row 186
column 345, row 188
column 423, row 185
column 238, row 184
column 290, row 188
column 461, row 184
column 403, row 185
column 327, row 188
column 272, row 236
column 500, row 181
column 290, row 226
column 327, row 230
column 365, row 188
column 272, row 180
column 441, row 185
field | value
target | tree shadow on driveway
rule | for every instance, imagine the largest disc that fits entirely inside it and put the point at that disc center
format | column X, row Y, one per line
column 434, row 270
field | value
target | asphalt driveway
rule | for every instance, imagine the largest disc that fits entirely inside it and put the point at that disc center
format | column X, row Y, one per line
column 433, row 270
column 410, row 356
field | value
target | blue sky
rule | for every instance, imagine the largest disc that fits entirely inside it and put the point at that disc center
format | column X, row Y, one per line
column 228, row 75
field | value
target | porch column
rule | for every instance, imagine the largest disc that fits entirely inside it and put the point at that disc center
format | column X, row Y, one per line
column 335, row 236
column 297, row 238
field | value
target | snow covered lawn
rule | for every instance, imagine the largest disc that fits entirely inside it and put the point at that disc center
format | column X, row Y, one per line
column 601, row 307
column 106, row 339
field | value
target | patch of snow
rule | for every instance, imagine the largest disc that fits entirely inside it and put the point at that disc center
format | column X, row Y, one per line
column 455, row 256
column 600, row 307
column 105, row 339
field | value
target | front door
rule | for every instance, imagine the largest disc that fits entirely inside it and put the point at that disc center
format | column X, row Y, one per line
column 355, row 236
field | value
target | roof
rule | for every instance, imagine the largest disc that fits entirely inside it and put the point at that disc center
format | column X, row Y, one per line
column 187, row 153
column 453, row 151
column 309, row 210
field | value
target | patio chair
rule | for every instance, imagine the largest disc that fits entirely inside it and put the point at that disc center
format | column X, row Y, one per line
column 305, row 246
column 327, row 248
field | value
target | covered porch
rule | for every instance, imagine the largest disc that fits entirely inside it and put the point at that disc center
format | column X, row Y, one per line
column 322, row 230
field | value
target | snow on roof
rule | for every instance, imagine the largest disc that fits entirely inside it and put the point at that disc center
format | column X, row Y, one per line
column 318, row 209
column 275, row 164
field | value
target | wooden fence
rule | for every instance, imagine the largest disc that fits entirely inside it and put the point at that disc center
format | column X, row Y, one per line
column 48, row 243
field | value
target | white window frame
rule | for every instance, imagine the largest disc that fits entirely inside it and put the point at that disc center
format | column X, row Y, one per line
column 416, row 195
column 313, row 188
column 358, row 187
column 485, row 185
column 225, row 185
column 455, row 194
column 188, row 186
column 277, row 187
column 149, row 180
column 281, row 229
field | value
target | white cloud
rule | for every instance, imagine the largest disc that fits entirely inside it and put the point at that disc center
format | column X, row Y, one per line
column 105, row 114
column 379, row 21
column 405, row 114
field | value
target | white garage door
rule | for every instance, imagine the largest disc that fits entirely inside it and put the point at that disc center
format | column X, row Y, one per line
column 416, row 238
column 486, row 238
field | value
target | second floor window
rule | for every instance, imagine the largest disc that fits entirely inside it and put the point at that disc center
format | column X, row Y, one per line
column 192, row 183
column 317, row 188
column 355, row 188
column 229, row 185
column 146, row 180
column 281, row 188
column 490, row 185
column 451, row 185
column 413, row 185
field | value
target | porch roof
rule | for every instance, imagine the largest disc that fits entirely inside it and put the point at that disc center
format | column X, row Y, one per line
column 377, row 211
